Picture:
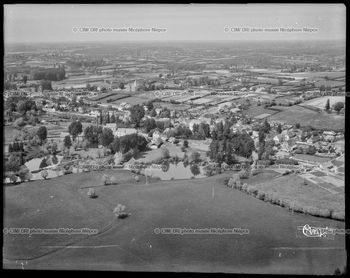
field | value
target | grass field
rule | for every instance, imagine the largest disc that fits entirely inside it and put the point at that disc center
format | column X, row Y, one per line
column 321, row 101
column 132, row 244
column 292, row 187
column 258, row 110
column 298, row 114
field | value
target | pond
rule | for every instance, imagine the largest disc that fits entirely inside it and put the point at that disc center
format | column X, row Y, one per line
column 34, row 165
column 175, row 171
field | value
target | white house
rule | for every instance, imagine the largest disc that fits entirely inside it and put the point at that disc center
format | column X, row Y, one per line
column 124, row 131
column 111, row 126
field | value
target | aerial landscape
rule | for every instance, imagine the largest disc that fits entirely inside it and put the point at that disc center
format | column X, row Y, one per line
column 129, row 152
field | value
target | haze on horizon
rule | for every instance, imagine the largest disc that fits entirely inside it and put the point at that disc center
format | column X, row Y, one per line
column 53, row 23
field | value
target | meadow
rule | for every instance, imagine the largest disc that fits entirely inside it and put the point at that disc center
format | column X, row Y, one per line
column 307, row 117
column 132, row 244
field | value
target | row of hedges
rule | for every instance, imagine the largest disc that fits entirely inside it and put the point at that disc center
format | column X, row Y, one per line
column 273, row 198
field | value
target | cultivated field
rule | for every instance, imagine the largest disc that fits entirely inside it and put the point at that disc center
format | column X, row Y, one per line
column 258, row 110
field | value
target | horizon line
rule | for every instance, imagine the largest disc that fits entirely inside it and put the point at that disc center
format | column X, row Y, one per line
column 177, row 40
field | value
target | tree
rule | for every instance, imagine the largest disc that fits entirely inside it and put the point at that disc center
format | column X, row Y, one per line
column 43, row 164
column 106, row 137
column 26, row 105
column 75, row 128
column 149, row 105
column 261, row 136
column 92, row 134
column 149, row 124
column 279, row 128
column 327, row 106
column 54, row 159
column 136, row 114
column 153, row 113
column 13, row 164
column 13, row 178
column 44, row 174
column 195, row 169
column 24, row 79
column 338, row 106
column 67, row 142
column 206, row 129
column 297, row 125
column 265, row 127
column 24, row 173
column 113, row 119
column 42, row 133
column 128, row 142
column 185, row 144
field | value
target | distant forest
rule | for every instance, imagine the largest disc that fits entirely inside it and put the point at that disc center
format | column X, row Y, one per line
column 54, row 74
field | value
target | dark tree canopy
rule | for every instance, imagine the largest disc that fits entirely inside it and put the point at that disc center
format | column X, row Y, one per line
column 75, row 128
column 42, row 133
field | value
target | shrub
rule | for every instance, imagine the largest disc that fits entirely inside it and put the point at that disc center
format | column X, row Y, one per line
column 244, row 174
column 13, row 178
column 267, row 197
column 44, row 174
column 238, row 184
column 245, row 187
column 285, row 203
column 231, row 183
column 119, row 211
column 274, row 199
column 295, row 206
column 254, row 191
column 54, row 159
column 261, row 195
column 91, row 193
column 106, row 179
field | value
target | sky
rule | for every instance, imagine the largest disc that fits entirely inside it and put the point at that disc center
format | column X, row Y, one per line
column 49, row 23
